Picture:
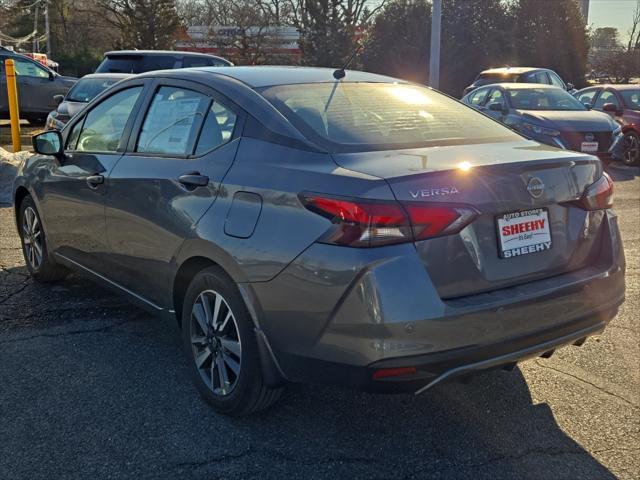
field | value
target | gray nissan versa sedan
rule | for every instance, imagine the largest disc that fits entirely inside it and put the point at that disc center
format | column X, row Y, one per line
column 364, row 231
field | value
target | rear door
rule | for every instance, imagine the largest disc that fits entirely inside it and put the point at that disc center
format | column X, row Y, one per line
column 184, row 143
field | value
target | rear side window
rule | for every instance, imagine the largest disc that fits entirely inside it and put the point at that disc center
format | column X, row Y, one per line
column 173, row 121
column 363, row 116
column 138, row 63
column 217, row 129
column 104, row 124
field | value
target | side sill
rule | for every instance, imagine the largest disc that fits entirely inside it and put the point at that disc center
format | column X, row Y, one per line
column 111, row 285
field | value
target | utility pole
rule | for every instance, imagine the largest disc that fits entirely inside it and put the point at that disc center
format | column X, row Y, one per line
column 47, row 31
column 35, row 30
column 434, row 57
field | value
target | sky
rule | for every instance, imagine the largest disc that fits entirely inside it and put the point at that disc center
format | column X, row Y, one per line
column 612, row 13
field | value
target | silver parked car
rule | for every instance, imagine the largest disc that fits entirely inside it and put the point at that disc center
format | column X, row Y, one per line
column 306, row 225
column 80, row 94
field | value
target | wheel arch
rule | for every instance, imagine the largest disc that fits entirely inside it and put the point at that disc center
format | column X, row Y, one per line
column 20, row 193
column 189, row 268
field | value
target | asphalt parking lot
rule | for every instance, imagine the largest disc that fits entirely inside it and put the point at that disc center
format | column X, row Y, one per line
column 91, row 387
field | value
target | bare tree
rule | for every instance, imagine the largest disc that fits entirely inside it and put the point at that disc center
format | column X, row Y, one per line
column 620, row 62
column 246, row 31
column 142, row 23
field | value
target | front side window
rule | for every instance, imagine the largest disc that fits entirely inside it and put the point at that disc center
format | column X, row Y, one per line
column 25, row 68
column 365, row 116
column 173, row 121
column 496, row 97
column 544, row 99
column 541, row 77
column 104, row 124
column 606, row 97
column 587, row 97
column 555, row 80
column 85, row 90
column 478, row 97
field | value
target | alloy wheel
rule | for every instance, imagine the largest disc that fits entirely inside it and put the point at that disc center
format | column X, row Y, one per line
column 32, row 238
column 215, row 342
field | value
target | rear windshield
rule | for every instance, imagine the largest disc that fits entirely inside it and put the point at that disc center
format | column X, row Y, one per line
column 379, row 116
column 631, row 98
column 138, row 63
column 544, row 99
column 86, row 89
column 489, row 78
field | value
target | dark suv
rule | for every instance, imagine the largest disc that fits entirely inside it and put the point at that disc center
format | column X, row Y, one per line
column 139, row 61
column 519, row 75
column 37, row 85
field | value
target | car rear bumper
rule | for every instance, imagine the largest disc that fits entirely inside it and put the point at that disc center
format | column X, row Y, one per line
column 343, row 322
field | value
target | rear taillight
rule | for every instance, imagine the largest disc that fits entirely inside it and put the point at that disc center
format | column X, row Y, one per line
column 598, row 195
column 366, row 223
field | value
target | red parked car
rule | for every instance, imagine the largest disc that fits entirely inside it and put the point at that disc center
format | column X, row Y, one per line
column 622, row 102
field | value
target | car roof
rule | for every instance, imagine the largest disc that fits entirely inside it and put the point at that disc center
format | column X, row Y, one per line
column 523, row 86
column 150, row 53
column 511, row 70
column 624, row 86
column 107, row 75
column 266, row 76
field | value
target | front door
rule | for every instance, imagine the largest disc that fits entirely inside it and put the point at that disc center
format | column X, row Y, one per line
column 73, row 190
column 171, row 174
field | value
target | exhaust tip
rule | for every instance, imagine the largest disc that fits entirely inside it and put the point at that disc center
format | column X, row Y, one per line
column 580, row 342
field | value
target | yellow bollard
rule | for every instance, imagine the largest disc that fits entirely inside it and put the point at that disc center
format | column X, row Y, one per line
column 12, row 95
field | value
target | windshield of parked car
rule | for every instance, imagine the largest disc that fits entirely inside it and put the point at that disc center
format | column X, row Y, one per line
column 86, row 89
column 544, row 99
column 382, row 115
column 489, row 78
column 631, row 98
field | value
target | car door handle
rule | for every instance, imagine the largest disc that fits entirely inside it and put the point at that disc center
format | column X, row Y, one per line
column 94, row 180
column 193, row 180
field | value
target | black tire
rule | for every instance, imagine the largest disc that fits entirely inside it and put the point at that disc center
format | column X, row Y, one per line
column 38, row 260
column 248, row 393
column 631, row 149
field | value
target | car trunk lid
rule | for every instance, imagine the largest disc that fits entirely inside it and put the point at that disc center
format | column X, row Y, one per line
column 497, row 180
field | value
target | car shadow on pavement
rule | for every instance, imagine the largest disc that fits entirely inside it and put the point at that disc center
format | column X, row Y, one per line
column 622, row 173
column 103, row 389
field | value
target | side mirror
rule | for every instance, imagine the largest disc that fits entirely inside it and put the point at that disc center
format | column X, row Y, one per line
column 52, row 76
column 496, row 107
column 570, row 86
column 588, row 105
column 611, row 107
column 48, row 143
column 58, row 99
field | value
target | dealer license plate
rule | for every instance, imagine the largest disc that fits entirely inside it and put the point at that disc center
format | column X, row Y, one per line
column 589, row 147
column 522, row 233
